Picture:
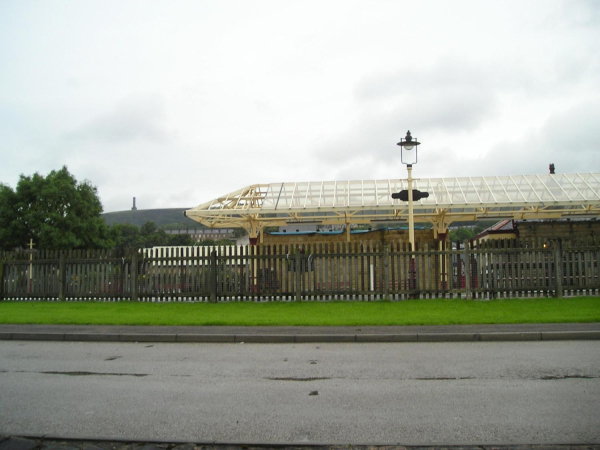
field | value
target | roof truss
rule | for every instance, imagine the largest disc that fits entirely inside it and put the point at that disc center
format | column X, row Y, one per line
column 368, row 201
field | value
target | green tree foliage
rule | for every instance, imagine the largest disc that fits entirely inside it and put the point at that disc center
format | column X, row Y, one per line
column 183, row 225
column 126, row 236
column 479, row 228
column 181, row 239
column 13, row 232
column 153, row 236
column 461, row 234
column 148, row 235
column 56, row 211
column 239, row 232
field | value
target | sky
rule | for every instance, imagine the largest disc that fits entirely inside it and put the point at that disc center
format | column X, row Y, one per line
column 179, row 102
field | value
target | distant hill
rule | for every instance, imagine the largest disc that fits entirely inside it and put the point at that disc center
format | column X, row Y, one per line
column 169, row 217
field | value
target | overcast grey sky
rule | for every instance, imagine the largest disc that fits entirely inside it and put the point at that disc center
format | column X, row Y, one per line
column 178, row 102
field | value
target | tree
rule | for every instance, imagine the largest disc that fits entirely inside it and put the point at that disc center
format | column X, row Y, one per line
column 149, row 235
column 56, row 211
column 153, row 236
column 239, row 232
column 13, row 232
column 126, row 236
column 461, row 234
column 180, row 239
column 148, row 229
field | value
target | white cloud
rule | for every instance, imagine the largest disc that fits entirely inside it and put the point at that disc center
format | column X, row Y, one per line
column 177, row 103
column 140, row 118
column 569, row 139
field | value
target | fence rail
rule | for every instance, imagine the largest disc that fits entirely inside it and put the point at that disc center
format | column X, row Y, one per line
column 367, row 271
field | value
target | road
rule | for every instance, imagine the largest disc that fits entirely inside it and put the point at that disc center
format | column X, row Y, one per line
column 409, row 393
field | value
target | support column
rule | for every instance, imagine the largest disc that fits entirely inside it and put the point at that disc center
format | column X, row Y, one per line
column 254, row 230
column 443, row 261
column 253, row 233
column 440, row 232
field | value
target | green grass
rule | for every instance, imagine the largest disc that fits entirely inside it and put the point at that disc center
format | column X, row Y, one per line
column 409, row 312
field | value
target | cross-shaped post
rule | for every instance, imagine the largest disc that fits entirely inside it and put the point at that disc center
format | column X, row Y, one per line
column 31, row 244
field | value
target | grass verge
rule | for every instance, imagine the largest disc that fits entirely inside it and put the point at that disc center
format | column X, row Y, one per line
column 409, row 312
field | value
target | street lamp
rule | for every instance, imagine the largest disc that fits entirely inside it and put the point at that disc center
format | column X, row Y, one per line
column 408, row 153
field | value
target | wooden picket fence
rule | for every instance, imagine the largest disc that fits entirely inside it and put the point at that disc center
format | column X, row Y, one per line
column 366, row 271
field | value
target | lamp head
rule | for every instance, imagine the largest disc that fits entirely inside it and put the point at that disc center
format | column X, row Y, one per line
column 407, row 144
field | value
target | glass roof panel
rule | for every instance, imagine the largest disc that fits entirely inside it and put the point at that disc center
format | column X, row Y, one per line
column 503, row 189
column 328, row 194
column 532, row 188
column 453, row 194
column 470, row 192
column 454, row 191
column 284, row 200
column 554, row 191
column 272, row 195
column 313, row 195
column 341, row 194
column 383, row 192
column 583, row 186
column 356, row 193
column 440, row 193
column 426, row 186
column 300, row 195
column 369, row 196
column 385, row 189
column 483, row 190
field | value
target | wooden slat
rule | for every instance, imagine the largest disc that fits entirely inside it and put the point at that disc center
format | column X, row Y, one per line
column 515, row 268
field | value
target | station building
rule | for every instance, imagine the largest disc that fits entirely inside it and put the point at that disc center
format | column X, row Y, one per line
column 582, row 229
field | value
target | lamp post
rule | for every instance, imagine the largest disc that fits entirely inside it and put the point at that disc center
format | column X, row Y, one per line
column 408, row 153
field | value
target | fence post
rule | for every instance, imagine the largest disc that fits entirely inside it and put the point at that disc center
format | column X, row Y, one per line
column 62, row 274
column 297, row 273
column 213, row 276
column 1, row 281
column 134, row 275
column 467, row 258
column 413, row 282
column 386, row 281
column 558, row 268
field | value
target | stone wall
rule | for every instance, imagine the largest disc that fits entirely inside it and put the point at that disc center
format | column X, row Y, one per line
column 564, row 229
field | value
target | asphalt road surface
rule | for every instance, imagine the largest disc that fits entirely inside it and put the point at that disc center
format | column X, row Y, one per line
column 438, row 393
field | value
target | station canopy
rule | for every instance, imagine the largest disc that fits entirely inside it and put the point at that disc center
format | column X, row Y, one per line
column 370, row 201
